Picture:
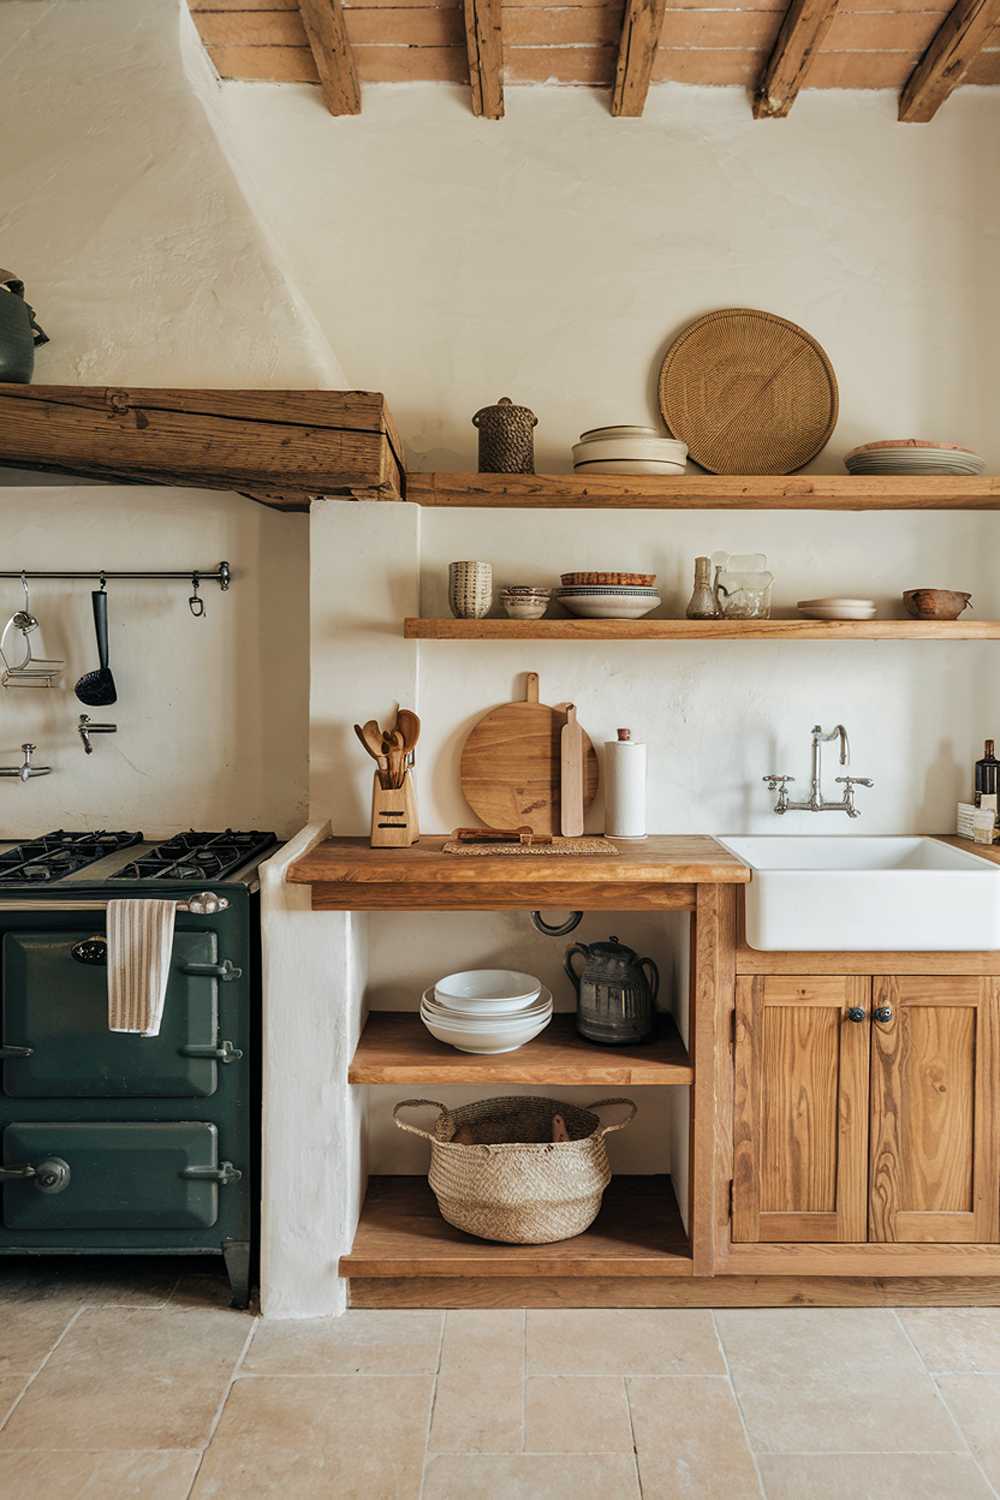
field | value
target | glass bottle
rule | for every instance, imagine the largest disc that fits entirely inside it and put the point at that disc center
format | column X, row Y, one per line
column 987, row 774
column 702, row 605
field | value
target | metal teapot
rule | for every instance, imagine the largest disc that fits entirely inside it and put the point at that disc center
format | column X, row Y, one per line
column 19, row 333
column 615, row 996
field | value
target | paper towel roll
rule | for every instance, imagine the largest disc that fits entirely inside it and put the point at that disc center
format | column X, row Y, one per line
column 625, row 787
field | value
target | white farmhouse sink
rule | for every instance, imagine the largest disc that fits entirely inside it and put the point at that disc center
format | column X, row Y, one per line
column 845, row 894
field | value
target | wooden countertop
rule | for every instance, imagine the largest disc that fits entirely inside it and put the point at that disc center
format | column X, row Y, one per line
column 661, row 873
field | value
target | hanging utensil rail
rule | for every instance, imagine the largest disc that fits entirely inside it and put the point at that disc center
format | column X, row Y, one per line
column 222, row 575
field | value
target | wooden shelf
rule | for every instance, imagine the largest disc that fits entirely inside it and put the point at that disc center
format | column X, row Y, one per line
column 707, row 491
column 701, row 630
column 396, row 1047
column 401, row 1234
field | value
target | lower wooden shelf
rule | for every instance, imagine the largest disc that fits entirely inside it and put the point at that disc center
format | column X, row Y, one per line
column 700, row 630
column 401, row 1234
column 396, row 1047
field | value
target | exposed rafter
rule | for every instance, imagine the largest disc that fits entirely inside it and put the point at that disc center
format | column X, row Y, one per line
column 338, row 76
column 484, row 40
column 958, row 42
column 802, row 34
column 640, row 38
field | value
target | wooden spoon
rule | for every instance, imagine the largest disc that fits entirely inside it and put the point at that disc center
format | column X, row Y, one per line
column 408, row 725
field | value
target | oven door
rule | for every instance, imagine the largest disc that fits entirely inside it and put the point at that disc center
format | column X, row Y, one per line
column 55, row 1038
column 112, row 1176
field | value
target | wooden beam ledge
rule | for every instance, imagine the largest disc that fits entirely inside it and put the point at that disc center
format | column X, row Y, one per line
column 338, row 76
column 484, row 41
column 801, row 36
column 956, row 45
column 641, row 29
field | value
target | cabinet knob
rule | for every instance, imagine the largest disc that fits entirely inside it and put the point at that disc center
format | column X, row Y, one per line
column 855, row 1013
column 882, row 1013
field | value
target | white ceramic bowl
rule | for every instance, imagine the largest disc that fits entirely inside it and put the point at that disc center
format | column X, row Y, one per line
column 497, row 985
column 482, row 1013
column 626, row 466
column 615, row 434
column 501, row 1034
column 522, row 608
column 656, row 449
column 610, row 608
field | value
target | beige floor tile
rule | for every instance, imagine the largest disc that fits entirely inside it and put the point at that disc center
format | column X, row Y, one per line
column 202, row 1289
column 167, row 1342
column 105, row 1281
column 97, row 1476
column 531, row 1476
column 690, row 1440
column 832, row 1380
column 874, row 1476
column 577, row 1414
column 491, row 1335
column 374, row 1425
column 361, row 1342
column 230, row 1472
column 11, row 1387
column 478, row 1411
column 959, row 1339
column 28, row 1334
column 618, row 1341
column 90, row 1408
column 974, row 1402
column 864, row 1343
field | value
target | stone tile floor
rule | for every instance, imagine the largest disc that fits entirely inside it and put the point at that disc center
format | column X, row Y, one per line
column 137, row 1382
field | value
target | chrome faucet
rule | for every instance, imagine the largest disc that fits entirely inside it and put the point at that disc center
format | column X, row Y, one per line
column 816, row 801
column 87, row 727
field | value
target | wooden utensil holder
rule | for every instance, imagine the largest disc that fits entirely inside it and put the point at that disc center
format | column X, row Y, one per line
column 394, row 815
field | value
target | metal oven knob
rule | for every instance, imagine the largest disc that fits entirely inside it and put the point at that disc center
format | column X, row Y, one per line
column 91, row 950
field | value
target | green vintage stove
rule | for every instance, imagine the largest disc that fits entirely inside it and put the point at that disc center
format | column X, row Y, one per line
column 117, row 1144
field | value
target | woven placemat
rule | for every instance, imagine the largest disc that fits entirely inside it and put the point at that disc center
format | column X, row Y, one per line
column 557, row 846
column 748, row 392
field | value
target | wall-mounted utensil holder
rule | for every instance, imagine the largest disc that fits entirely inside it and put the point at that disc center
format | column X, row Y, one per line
column 394, row 815
column 195, row 577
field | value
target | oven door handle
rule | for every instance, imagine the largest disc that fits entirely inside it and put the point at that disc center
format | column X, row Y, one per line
column 225, row 972
column 7, row 1051
column 224, row 1174
column 50, row 1176
column 225, row 1052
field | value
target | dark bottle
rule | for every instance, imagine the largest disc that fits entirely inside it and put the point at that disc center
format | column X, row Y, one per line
column 987, row 774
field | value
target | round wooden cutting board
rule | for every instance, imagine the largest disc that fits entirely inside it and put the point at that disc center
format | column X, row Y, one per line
column 510, row 765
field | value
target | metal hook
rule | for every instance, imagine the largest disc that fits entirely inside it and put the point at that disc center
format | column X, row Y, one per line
column 104, row 582
column 27, row 596
column 196, row 603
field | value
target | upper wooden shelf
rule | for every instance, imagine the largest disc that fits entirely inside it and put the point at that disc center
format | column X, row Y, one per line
column 396, row 1047
column 282, row 448
column 662, row 873
column 701, row 630
column 706, row 491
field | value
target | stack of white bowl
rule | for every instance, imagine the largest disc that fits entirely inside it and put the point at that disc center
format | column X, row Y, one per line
column 628, row 450
column 913, row 456
column 486, row 1010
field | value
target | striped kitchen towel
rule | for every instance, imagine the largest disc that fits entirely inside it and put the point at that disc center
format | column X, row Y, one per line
column 140, row 944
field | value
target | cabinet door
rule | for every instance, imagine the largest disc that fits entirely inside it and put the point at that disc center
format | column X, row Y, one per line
column 801, row 1109
column 934, row 1151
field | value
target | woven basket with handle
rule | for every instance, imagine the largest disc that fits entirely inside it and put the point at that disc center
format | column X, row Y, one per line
column 515, row 1183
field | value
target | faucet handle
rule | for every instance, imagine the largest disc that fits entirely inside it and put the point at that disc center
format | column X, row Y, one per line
column 854, row 781
column 774, row 782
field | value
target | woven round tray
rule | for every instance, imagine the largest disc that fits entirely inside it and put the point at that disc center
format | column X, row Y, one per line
column 748, row 392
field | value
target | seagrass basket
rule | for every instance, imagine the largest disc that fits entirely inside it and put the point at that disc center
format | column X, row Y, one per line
column 513, row 1182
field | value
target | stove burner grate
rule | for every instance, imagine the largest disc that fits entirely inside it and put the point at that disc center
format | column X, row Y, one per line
column 56, row 855
column 198, row 856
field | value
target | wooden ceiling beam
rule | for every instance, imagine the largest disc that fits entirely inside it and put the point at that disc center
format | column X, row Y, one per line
column 484, row 41
column 338, row 76
column 957, row 43
column 641, row 28
column 802, row 34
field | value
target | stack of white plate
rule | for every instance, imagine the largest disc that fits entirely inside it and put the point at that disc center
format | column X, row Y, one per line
column 486, row 1010
column 605, row 602
column 913, row 456
column 628, row 450
column 837, row 609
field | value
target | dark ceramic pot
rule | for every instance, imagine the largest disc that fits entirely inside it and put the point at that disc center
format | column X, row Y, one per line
column 19, row 333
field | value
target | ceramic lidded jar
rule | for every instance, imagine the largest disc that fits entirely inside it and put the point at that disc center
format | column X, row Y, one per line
column 19, row 333
column 506, row 438
column 615, row 992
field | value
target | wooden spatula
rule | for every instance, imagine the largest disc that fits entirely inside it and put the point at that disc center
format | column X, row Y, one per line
column 571, row 776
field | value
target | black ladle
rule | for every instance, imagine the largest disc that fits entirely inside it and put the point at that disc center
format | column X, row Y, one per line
column 97, row 689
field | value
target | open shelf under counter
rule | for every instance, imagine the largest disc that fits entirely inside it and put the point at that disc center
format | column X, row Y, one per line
column 638, row 1232
column 708, row 491
column 397, row 1048
column 701, row 630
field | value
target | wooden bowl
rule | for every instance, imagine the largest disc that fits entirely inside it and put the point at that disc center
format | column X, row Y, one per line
column 935, row 604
